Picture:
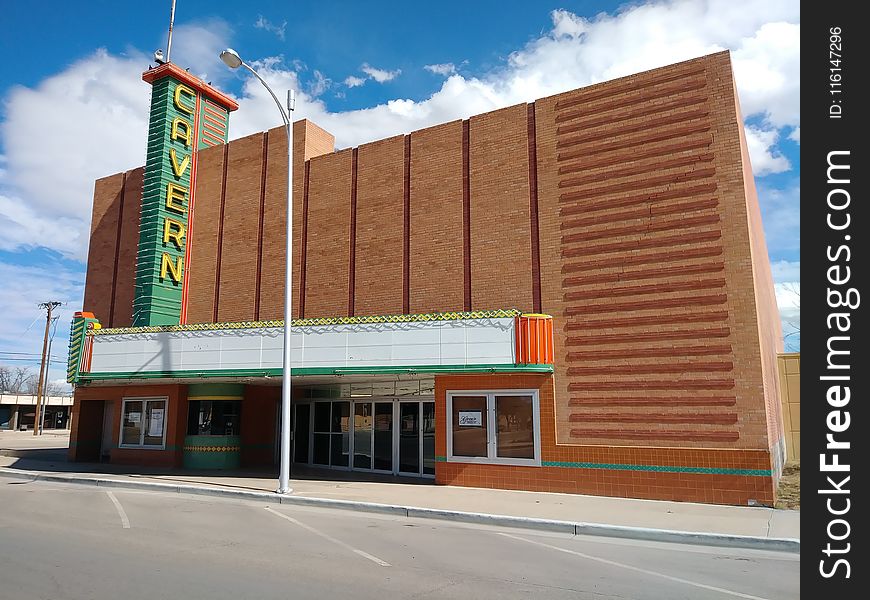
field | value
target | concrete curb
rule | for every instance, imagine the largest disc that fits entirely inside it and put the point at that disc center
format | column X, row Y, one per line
column 552, row 525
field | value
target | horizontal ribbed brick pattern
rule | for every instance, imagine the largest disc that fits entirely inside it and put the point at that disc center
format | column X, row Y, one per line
column 632, row 194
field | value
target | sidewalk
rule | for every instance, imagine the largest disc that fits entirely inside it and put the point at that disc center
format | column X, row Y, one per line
column 364, row 492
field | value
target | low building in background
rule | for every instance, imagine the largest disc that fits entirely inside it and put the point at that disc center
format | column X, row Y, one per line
column 18, row 411
column 570, row 295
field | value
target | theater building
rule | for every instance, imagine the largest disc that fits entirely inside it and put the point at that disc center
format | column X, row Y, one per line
column 570, row 295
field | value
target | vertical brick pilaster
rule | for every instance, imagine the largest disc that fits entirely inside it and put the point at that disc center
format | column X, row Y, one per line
column 351, row 271
column 220, row 240
column 406, row 229
column 260, row 226
column 303, row 258
column 533, row 209
column 466, row 216
column 117, row 246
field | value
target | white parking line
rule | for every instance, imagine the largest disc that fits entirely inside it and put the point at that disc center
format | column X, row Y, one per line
column 637, row 569
column 125, row 522
column 366, row 555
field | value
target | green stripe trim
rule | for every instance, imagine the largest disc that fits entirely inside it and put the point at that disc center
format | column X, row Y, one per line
column 645, row 468
column 657, row 468
column 420, row 317
column 192, row 374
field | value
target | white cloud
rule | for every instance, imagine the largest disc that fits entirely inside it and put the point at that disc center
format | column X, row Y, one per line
column 95, row 111
column 23, row 228
column 197, row 47
column 788, row 299
column 379, row 75
column 86, row 122
column 444, row 69
column 264, row 23
column 795, row 135
column 320, row 84
column 568, row 25
column 763, row 152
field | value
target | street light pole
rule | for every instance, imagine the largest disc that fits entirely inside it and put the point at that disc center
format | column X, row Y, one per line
column 232, row 59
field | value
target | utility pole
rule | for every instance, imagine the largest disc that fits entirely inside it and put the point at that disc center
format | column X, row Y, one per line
column 45, row 393
column 48, row 306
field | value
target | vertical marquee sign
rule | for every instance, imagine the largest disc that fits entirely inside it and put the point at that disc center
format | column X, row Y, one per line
column 187, row 115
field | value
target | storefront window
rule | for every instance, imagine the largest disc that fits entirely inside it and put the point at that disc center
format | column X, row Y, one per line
column 214, row 417
column 143, row 423
column 469, row 426
column 498, row 427
column 516, row 430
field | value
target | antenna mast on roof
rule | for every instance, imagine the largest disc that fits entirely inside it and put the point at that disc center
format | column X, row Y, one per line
column 171, row 21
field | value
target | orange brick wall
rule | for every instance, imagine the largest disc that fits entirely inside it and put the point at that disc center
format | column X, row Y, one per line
column 688, row 487
column 645, row 262
column 379, row 228
column 328, row 247
column 272, row 260
column 238, row 271
column 436, row 268
column 501, row 260
column 205, row 234
column 769, row 323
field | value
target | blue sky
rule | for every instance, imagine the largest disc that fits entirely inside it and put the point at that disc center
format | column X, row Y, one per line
column 73, row 107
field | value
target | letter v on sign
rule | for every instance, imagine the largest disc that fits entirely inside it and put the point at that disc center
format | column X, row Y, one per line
column 176, row 168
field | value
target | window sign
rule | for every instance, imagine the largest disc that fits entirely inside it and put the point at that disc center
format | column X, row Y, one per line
column 470, row 418
column 498, row 426
column 142, row 423
column 155, row 427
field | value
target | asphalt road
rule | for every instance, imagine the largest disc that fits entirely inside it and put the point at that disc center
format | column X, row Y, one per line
column 63, row 542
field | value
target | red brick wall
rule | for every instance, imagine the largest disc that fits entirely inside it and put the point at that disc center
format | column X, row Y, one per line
column 128, row 246
column 176, row 423
column 259, row 412
column 99, row 281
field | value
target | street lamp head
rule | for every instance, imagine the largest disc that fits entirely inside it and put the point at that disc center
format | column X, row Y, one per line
column 231, row 58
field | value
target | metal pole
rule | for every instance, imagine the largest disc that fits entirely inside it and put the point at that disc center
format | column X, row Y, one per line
column 286, row 397
column 286, row 386
column 171, row 22
column 48, row 306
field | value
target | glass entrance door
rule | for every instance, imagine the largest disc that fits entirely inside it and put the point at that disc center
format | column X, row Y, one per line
column 383, row 437
column 409, row 438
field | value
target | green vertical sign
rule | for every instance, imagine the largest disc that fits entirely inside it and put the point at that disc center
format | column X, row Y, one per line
column 182, row 121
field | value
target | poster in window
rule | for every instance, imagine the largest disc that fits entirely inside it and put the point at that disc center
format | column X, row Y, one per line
column 133, row 417
column 155, row 427
column 470, row 418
